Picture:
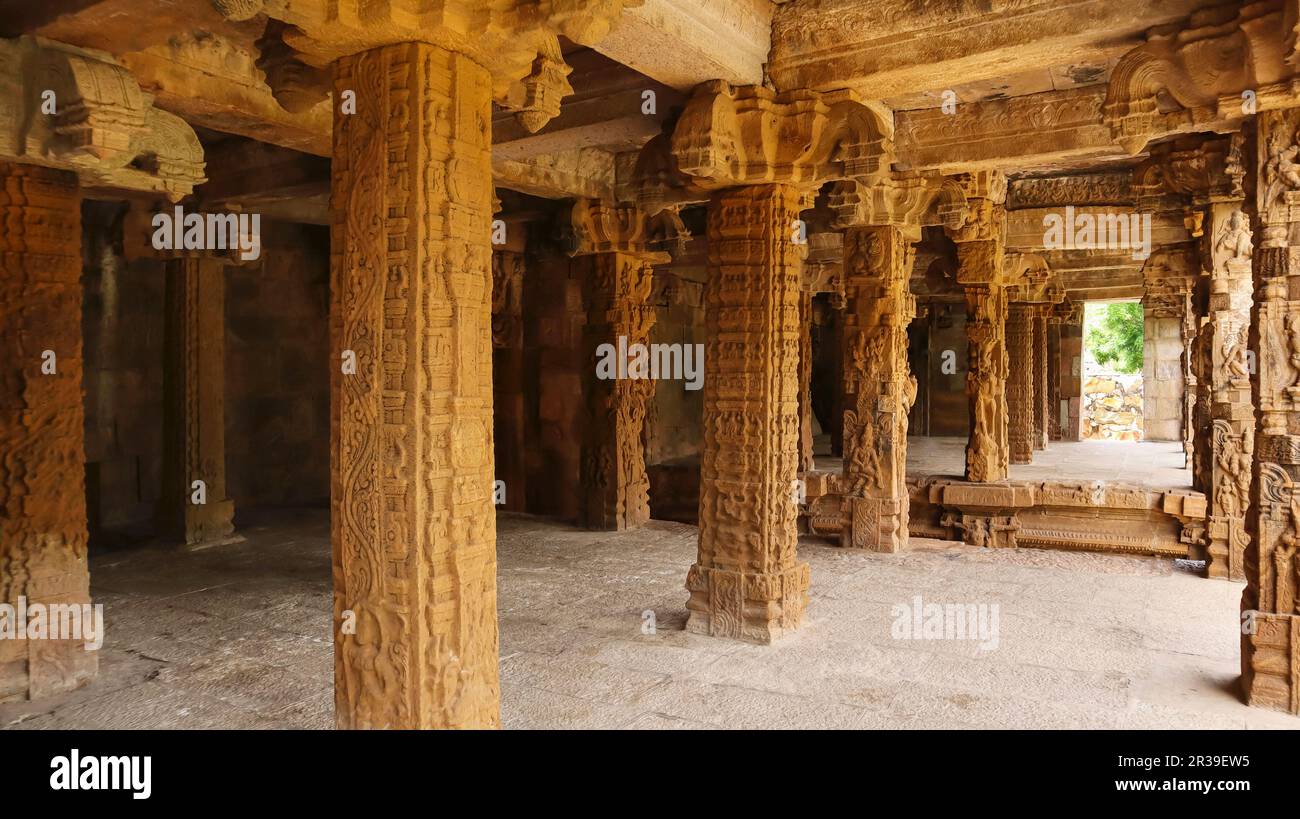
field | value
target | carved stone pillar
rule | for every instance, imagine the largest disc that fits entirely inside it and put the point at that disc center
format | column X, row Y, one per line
column 193, row 506
column 981, row 241
column 1041, row 402
column 1232, row 413
column 414, row 528
column 747, row 582
column 42, row 432
column 615, row 488
column 615, row 265
column 508, row 416
column 1270, row 642
column 878, row 387
column 1020, row 383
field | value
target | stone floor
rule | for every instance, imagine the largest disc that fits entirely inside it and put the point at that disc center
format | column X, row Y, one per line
column 239, row 637
column 1157, row 464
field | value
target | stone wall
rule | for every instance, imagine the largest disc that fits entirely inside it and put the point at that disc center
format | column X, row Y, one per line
column 674, row 415
column 1112, row 407
column 277, row 371
column 1163, row 378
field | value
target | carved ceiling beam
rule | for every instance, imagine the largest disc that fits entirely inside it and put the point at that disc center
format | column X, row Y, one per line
column 1211, row 71
column 80, row 110
column 517, row 42
column 889, row 49
column 730, row 136
column 682, row 43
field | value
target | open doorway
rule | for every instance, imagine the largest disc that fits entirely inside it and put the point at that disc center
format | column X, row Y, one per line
column 1113, row 352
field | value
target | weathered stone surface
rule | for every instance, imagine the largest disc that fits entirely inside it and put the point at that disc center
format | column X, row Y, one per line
column 878, row 389
column 1270, row 657
column 615, row 264
column 42, row 431
column 747, row 582
column 413, row 523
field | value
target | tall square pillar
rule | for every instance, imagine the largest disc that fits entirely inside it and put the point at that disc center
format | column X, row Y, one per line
column 43, row 536
column 746, row 582
column 413, row 525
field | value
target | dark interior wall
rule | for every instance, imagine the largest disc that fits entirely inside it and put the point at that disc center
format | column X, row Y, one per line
column 949, row 413
column 122, row 324
column 673, row 419
column 553, row 320
column 277, row 370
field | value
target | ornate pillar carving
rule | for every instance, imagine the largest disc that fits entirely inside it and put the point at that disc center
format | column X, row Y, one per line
column 1270, row 643
column 615, row 265
column 42, row 432
column 193, row 506
column 981, row 245
column 756, row 156
column 806, row 462
column 413, row 523
column 1231, row 410
column 1041, row 353
column 1020, row 383
column 747, row 581
column 878, row 387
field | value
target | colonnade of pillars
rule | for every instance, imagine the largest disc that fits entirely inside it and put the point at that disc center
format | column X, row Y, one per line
column 413, row 524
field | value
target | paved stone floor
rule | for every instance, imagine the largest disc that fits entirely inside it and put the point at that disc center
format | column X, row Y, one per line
column 1156, row 464
column 239, row 637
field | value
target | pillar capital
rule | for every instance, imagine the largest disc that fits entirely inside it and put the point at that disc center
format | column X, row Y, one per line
column 907, row 201
column 1205, row 65
column 78, row 110
column 730, row 136
column 600, row 227
column 516, row 41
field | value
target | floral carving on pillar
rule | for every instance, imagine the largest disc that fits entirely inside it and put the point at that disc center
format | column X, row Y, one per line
column 611, row 244
column 981, row 247
column 1270, row 660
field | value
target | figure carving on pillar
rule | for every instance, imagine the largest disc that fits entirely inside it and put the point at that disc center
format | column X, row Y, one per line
column 611, row 246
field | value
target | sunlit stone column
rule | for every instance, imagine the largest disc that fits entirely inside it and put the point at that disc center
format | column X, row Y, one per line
column 414, row 528
column 746, row 581
column 1270, row 642
column 42, row 431
column 878, row 387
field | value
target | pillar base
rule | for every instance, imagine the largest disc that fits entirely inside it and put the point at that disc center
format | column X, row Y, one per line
column 874, row 524
column 757, row 608
column 1270, row 663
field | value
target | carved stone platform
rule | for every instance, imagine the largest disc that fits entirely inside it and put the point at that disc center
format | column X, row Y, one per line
column 1075, row 515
